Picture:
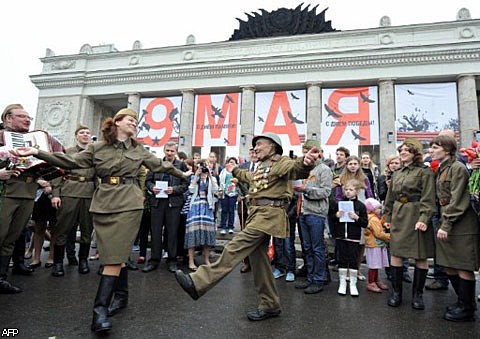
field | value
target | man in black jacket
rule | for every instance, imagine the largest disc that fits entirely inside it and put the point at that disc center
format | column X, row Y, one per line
column 166, row 204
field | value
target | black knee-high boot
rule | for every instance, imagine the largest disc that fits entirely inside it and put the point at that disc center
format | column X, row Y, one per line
column 465, row 308
column 454, row 280
column 19, row 266
column 83, row 259
column 100, row 322
column 120, row 299
column 419, row 278
column 397, row 284
column 58, row 255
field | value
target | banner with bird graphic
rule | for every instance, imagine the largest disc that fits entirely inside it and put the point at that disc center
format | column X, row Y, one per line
column 350, row 116
column 216, row 120
column 159, row 120
column 282, row 113
column 423, row 110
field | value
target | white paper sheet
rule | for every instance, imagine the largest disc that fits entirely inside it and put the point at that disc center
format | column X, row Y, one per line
column 346, row 206
column 163, row 185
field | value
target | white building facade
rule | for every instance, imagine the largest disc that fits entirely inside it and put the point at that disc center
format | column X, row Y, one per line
column 308, row 70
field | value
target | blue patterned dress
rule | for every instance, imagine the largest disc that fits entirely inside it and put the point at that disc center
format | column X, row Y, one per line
column 200, row 229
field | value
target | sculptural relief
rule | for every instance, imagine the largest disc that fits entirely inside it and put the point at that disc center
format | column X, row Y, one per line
column 56, row 119
column 385, row 21
column 61, row 65
column 464, row 14
column 191, row 39
column 134, row 60
column 86, row 49
column 137, row 45
column 282, row 22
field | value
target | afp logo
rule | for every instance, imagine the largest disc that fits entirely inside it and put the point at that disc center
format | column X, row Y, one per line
column 9, row 332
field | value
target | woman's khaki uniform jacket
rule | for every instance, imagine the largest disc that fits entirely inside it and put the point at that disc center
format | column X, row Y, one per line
column 272, row 180
column 411, row 199
column 121, row 159
column 457, row 218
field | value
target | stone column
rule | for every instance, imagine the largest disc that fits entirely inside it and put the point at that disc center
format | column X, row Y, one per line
column 87, row 111
column 467, row 108
column 133, row 101
column 186, row 122
column 247, row 119
column 386, row 111
column 314, row 115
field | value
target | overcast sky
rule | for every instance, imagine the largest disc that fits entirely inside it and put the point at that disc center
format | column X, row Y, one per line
column 29, row 27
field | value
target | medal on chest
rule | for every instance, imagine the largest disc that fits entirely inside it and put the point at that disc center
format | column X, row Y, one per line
column 261, row 177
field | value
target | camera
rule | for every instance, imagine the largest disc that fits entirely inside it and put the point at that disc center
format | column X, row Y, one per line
column 203, row 167
column 10, row 165
column 94, row 138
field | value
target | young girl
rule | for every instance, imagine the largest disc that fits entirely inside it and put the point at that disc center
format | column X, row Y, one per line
column 200, row 228
column 348, row 235
column 353, row 171
column 375, row 238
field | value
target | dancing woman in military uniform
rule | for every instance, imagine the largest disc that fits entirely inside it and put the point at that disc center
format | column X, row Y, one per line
column 270, row 191
column 117, row 203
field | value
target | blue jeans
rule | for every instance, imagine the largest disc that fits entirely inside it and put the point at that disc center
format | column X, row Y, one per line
column 228, row 212
column 285, row 256
column 313, row 227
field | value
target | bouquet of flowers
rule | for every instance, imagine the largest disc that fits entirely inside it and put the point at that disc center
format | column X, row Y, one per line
column 11, row 161
column 472, row 153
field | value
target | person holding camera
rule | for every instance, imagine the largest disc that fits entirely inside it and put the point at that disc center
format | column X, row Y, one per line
column 228, row 194
column 200, row 227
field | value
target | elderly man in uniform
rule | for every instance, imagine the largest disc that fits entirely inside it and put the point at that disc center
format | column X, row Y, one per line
column 270, row 191
column 17, row 202
column 72, row 198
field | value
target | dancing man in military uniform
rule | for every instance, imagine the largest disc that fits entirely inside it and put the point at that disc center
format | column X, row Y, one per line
column 270, row 191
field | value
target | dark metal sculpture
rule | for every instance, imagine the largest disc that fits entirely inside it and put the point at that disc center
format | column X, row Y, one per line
column 282, row 22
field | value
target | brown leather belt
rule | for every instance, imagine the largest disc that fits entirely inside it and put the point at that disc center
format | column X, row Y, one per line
column 79, row 178
column 404, row 199
column 119, row 180
column 283, row 203
column 444, row 201
column 25, row 178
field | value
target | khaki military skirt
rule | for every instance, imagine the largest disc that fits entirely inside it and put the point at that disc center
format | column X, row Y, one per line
column 116, row 233
column 460, row 252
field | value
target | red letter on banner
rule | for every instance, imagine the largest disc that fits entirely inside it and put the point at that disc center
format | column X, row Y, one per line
column 156, row 125
column 363, row 114
column 280, row 102
column 229, row 109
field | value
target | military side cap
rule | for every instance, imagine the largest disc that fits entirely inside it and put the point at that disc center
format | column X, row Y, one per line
column 80, row 127
column 271, row 136
column 414, row 142
column 125, row 111
column 310, row 143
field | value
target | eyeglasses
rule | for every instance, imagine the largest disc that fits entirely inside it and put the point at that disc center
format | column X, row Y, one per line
column 22, row 116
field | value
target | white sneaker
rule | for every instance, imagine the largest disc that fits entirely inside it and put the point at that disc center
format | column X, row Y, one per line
column 223, row 232
column 230, row 231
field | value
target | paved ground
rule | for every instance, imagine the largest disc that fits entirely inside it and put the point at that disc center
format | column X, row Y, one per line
column 61, row 308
